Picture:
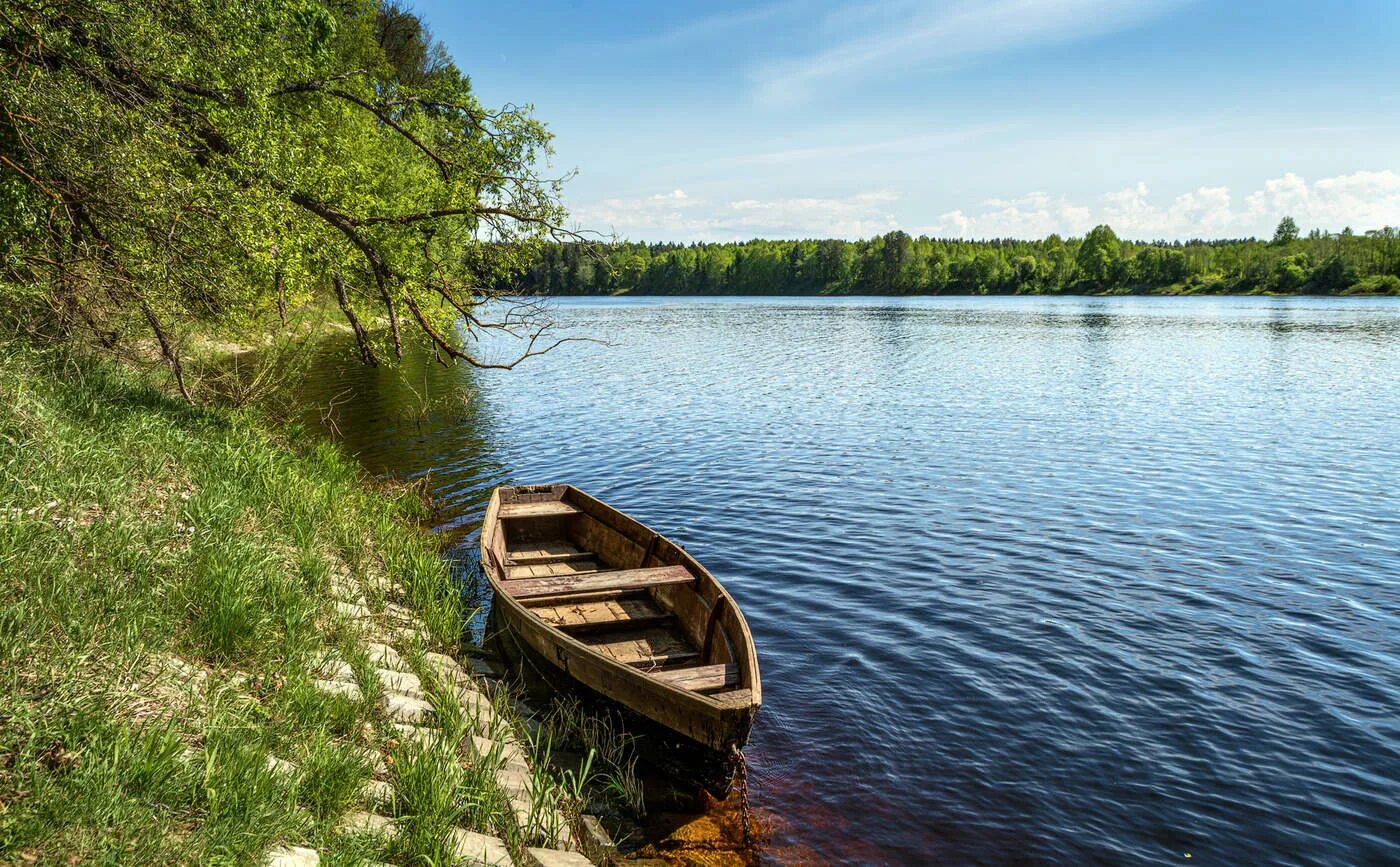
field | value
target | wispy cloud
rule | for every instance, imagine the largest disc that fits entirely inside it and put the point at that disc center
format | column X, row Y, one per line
column 717, row 24
column 901, row 36
column 908, row 144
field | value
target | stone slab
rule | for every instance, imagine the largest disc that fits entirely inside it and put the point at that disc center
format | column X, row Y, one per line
column 282, row 766
column 555, row 858
column 404, row 708
column 412, row 734
column 445, row 668
column 335, row 669
column 353, row 611
column 595, row 840
column 401, row 682
column 478, row 850
column 403, row 615
column 514, row 782
column 377, row 793
column 520, row 809
column 483, row 667
column 339, row 687
column 383, row 656
column 362, row 822
column 292, row 856
column 404, row 634
column 376, row 763
column 347, row 590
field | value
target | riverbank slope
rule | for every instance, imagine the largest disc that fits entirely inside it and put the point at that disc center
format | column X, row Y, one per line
column 222, row 642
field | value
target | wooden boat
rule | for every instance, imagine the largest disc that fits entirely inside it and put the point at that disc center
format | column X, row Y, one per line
column 623, row 610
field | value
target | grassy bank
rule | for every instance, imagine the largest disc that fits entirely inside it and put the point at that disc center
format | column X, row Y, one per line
column 165, row 578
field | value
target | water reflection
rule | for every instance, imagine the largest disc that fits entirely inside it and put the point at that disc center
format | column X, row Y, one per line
column 414, row 420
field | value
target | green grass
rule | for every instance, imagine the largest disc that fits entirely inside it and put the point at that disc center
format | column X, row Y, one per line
column 608, row 773
column 165, row 578
column 331, row 777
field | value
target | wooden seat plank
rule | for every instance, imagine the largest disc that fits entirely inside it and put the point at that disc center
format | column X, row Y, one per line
column 597, row 582
column 547, row 509
column 700, row 678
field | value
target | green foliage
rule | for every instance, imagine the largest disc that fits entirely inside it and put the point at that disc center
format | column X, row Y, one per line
column 438, row 791
column 1099, row 257
column 1287, row 231
column 199, row 160
column 1291, row 272
column 1376, row 284
column 895, row 264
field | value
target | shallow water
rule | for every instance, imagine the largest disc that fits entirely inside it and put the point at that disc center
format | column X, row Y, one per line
column 1031, row 579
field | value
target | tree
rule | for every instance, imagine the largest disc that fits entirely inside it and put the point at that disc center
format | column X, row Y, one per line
column 1292, row 272
column 1099, row 256
column 830, row 267
column 894, row 263
column 1286, row 233
column 1330, row 277
column 192, row 159
column 897, row 263
column 1024, row 270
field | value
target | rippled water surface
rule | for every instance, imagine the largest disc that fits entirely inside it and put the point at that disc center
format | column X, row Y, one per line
column 1031, row 580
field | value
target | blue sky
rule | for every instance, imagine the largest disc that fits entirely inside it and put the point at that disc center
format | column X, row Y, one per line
column 818, row 118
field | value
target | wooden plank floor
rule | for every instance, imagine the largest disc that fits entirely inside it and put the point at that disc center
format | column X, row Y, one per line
column 645, row 648
column 549, row 570
column 530, row 553
column 603, row 614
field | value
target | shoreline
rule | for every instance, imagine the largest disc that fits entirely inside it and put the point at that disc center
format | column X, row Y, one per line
column 815, row 295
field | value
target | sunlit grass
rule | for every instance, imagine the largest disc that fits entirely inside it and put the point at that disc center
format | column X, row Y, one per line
column 165, row 587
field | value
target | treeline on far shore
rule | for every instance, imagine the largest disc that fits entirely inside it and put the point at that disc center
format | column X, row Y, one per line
column 1345, row 263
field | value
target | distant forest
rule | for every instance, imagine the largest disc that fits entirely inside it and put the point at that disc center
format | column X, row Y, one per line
column 1321, row 263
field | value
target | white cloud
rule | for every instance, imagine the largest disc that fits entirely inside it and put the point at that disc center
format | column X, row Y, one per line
column 1362, row 200
column 910, row 36
column 677, row 216
column 1033, row 215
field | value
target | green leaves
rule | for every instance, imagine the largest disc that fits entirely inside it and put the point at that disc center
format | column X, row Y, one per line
column 1099, row 256
column 196, row 160
column 1286, row 232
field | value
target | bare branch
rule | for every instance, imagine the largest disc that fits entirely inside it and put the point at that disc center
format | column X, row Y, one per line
column 171, row 358
column 453, row 352
column 361, row 337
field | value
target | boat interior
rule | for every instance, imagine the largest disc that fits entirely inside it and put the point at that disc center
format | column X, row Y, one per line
column 628, row 593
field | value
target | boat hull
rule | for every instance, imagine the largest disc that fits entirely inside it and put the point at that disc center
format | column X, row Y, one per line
column 717, row 728
column 709, row 629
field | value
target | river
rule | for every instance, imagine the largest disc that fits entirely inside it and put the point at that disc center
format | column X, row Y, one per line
column 1030, row 579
